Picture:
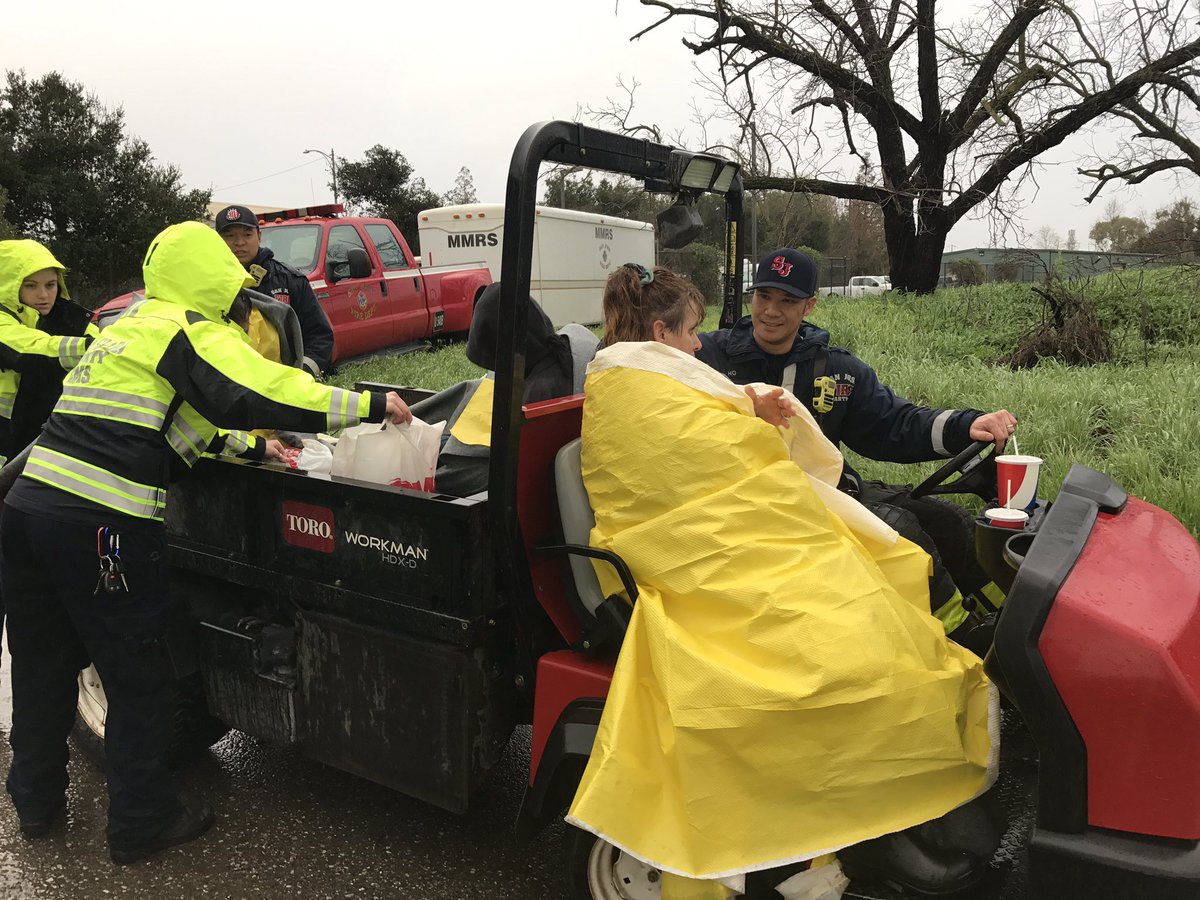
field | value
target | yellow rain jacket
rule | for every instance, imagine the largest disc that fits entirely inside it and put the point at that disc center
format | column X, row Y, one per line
column 782, row 691
column 149, row 396
column 20, row 339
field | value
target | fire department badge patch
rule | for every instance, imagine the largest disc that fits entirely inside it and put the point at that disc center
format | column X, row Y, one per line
column 363, row 308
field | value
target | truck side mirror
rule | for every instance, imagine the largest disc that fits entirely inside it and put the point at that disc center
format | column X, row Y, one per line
column 360, row 263
column 355, row 265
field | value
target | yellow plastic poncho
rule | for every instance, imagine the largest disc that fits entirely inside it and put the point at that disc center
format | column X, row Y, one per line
column 782, row 691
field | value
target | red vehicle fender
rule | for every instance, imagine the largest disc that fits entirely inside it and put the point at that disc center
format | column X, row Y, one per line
column 110, row 310
column 455, row 294
column 1122, row 645
column 568, row 703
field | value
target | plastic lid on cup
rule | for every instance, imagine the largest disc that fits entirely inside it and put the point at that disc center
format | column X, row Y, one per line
column 1006, row 518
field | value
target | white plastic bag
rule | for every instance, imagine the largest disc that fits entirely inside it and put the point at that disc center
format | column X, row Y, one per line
column 313, row 456
column 399, row 455
column 826, row 882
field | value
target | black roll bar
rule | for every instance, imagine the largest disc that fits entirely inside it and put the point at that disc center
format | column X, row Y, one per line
column 731, row 306
column 570, row 143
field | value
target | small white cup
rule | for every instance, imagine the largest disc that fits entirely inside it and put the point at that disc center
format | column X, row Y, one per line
column 1002, row 517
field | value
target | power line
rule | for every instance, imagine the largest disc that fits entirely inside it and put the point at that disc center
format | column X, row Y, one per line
column 264, row 178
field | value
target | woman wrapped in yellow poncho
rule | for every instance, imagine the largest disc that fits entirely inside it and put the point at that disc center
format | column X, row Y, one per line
column 783, row 690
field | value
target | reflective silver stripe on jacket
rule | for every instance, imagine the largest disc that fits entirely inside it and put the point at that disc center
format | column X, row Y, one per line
column 6, row 407
column 788, row 382
column 185, row 440
column 71, row 350
column 938, row 434
column 110, row 396
column 237, row 442
column 343, row 408
column 112, row 405
column 93, row 483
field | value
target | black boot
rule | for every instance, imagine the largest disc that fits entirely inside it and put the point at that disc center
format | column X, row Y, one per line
column 898, row 860
column 191, row 822
column 976, row 828
column 40, row 826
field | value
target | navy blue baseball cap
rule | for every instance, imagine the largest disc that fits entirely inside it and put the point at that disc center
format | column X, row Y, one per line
column 789, row 270
column 235, row 215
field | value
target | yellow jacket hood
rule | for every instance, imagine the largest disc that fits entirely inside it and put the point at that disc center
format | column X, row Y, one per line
column 18, row 260
column 190, row 265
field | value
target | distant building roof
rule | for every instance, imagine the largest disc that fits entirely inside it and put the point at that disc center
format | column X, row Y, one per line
column 980, row 251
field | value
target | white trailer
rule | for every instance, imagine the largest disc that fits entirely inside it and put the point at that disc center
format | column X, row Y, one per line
column 573, row 252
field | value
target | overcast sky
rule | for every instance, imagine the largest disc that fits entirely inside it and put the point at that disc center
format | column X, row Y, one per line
column 233, row 93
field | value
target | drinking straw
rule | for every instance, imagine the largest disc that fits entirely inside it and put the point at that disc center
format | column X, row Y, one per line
column 1008, row 502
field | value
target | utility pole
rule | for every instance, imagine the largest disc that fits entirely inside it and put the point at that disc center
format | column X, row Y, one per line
column 330, row 158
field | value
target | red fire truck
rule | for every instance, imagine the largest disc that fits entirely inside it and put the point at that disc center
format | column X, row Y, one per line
column 367, row 280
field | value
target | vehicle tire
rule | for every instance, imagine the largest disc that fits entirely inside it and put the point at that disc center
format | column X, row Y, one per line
column 596, row 870
column 194, row 730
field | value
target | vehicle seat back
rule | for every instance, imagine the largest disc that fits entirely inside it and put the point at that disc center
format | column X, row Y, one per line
column 575, row 514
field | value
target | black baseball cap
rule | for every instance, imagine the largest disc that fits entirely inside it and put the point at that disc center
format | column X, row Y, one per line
column 789, row 270
column 235, row 215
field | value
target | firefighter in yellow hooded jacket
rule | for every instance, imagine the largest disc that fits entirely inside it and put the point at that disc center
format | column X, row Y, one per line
column 83, row 553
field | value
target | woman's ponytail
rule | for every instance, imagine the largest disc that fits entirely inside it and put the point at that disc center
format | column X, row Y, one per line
column 636, row 297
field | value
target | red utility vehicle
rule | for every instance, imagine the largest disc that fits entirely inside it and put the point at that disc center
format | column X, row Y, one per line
column 403, row 636
column 367, row 280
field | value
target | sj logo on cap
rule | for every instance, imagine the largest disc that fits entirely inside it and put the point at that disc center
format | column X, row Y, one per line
column 782, row 266
column 231, row 214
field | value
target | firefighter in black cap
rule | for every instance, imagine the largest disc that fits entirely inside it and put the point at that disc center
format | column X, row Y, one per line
column 239, row 227
column 776, row 345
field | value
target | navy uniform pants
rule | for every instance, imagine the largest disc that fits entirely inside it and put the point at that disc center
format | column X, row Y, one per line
column 56, row 624
column 947, row 526
column 946, row 532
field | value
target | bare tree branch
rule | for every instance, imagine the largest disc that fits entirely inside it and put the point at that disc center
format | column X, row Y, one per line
column 944, row 119
column 1132, row 175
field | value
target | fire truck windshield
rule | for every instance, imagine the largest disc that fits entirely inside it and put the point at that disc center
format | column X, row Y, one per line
column 295, row 245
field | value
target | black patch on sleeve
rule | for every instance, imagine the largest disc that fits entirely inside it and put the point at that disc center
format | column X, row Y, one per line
column 225, row 402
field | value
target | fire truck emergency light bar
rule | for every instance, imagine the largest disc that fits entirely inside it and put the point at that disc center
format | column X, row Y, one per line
column 325, row 211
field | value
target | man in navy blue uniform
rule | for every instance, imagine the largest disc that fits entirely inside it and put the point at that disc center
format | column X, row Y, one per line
column 775, row 345
column 239, row 227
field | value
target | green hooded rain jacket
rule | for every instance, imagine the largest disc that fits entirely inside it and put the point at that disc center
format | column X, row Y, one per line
column 23, row 347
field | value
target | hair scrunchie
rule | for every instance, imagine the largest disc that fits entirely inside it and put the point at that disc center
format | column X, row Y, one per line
column 645, row 276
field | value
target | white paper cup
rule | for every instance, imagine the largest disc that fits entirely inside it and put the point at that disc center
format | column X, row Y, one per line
column 1017, row 477
column 1002, row 517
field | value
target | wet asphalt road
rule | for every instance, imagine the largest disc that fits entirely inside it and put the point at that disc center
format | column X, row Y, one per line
column 291, row 828
column 287, row 827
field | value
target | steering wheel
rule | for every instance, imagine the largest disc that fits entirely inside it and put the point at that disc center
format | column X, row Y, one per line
column 977, row 470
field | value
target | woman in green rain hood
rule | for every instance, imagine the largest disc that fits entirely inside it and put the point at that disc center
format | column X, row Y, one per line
column 42, row 335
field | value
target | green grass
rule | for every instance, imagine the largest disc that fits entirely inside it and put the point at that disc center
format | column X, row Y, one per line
column 433, row 370
column 1134, row 418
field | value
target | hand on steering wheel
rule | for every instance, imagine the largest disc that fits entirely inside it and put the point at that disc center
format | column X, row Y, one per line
column 969, row 458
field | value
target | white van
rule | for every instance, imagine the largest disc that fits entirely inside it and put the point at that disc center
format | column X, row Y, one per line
column 573, row 252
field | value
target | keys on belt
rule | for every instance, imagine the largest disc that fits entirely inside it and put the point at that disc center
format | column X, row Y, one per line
column 112, row 570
